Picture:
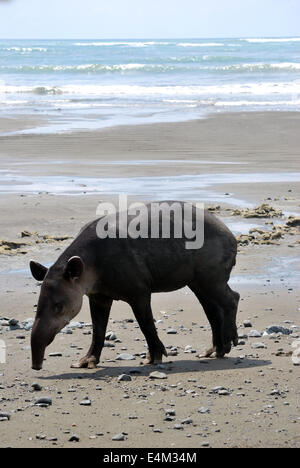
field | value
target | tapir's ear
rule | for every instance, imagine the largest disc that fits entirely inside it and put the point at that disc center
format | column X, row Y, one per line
column 38, row 271
column 74, row 268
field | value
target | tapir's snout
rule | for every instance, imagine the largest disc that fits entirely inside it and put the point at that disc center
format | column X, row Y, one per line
column 41, row 337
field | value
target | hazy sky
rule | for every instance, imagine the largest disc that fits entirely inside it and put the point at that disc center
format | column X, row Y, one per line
column 148, row 18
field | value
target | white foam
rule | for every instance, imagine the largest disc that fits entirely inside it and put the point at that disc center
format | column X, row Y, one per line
column 258, row 66
column 253, row 89
column 202, row 44
column 295, row 102
column 276, row 39
column 120, row 43
column 24, row 49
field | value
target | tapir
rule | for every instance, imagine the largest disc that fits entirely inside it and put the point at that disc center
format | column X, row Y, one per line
column 130, row 270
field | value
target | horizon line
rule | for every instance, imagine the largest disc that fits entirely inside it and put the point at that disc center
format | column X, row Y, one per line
column 146, row 38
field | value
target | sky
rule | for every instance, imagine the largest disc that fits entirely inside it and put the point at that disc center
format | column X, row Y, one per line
column 100, row 19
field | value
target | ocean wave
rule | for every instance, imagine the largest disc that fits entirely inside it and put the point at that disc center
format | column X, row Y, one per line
column 295, row 102
column 120, row 43
column 260, row 66
column 176, row 65
column 124, row 91
column 201, row 44
column 89, row 67
column 24, row 49
column 266, row 40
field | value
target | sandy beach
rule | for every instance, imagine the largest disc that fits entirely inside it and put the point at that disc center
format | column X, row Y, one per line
column 51, row 185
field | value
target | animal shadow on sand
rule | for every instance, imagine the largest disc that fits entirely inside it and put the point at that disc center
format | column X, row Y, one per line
column 169, row 367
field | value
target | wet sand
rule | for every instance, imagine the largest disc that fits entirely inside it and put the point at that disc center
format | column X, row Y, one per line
column 228, row 160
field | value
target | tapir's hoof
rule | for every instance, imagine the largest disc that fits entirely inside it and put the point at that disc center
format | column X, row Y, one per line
column 86, row 362
column 156, row 358
column 211, row 353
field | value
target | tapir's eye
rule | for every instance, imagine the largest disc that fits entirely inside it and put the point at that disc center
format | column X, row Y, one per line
column 58, row 308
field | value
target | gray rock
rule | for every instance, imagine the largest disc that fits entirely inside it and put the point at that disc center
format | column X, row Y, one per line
column 44, row 401
column 110, row 336
column 223, row 392
column 187, row 421
column 203, row 410
column 178, row 427
column 217, row 389
column 36, row 387
column 172, row 331
column 170, row 412
column 74, row 438
column 247, row 324
column 13, row 322
column 258, row 346
column 119, row 437
column 124, row 378
column 4, row 416
column 254, row 334
column 108, row 344
column 125, row 357
column 278, row 329
column 158, row 375
column 85, row 402
column 55, row 354
column 28, row 324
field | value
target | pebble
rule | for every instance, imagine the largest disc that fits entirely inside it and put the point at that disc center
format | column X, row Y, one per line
column 74, row 438
column 278, row 329
column 125, row 357
column 55, row 354
column 158, row 375
column 36, row 387
column 44, row 402
column 203, row 410
column 178, row 427
column 124, row 378
column 172, row 331
column 4, row 416
column 223, row 392
column 247, row 324
column 217, row 389
column 110, row 336
column 254, row 334
column 187, row 421
column 119, row 437
column 258, row 346
column 170, row 412
column 85, row 402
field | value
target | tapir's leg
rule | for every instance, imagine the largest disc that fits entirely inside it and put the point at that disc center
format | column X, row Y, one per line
column 141, row 307
column 100, row 308
column 229, row 301
column 215, row 316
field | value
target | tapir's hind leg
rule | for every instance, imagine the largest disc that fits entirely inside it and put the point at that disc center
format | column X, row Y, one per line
column 220, row 304
column 215, row 316
column 141, row 307
column 100, row 308
column 229, row 301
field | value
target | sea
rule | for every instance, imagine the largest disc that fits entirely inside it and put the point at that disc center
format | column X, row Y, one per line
column 90, row 84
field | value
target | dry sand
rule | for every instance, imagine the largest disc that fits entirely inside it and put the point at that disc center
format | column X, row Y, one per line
column 262, row 407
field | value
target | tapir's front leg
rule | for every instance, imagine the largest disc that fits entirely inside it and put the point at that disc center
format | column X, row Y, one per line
column 142, row 310
column 100, row 308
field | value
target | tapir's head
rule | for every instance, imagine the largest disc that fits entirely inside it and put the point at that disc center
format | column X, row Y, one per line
column 59, row 302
